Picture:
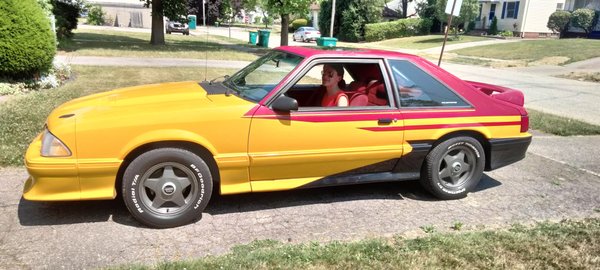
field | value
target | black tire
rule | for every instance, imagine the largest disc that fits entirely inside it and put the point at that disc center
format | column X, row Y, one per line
column 453, row 168
column 167, row 187
column 294, row 37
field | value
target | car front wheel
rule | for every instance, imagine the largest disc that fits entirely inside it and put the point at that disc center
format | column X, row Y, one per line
column 453, row 168
column 167, row 187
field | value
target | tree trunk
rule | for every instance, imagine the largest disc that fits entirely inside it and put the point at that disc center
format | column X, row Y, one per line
column 158, row 33
column 285, row 21
column 404, row 9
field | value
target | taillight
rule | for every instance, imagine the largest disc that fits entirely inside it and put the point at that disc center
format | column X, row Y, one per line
column 318, row 32
column 524, row 123
column 308, row 33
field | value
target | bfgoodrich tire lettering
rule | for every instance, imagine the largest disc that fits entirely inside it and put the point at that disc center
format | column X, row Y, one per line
column 453, row 168
column 167, row 187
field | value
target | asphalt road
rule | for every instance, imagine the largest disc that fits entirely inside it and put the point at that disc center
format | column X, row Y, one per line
column 550, row 184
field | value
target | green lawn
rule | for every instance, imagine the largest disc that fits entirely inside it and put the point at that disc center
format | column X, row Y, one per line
column 131, row 44
column 22, row 117
column 559, row 125
column 564, row 245
column 415, row 43
column 536, row 50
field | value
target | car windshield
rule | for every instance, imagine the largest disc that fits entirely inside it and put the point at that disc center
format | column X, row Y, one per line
column 309, row 29
column 257, row 79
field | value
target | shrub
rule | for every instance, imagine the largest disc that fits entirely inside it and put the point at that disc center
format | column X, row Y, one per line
column 506, row 33
column 297, row 23
column 96, row 15
column 470, row 26
column 257, row 20
column 27, row 44
column 66, row 14
column 397, row 29
column 559, row 21
column 493, row 27
column 584, row 19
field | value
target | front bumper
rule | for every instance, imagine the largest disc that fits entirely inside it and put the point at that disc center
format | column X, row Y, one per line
column 51, row 179
column 506, row 151
column 66, row 178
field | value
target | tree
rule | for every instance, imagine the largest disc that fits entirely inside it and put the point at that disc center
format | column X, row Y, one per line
column 426, row 9
column 468, row 11
column 351, row 18
column 559, row 21
column 66, row 14
column 403, row 8
column 172, row 9
column 584, row 19
column 284, row 8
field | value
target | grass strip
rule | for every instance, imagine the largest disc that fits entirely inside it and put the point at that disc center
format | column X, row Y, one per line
column 534, row 50
column 564, row 245
column 23, row 117
column 582, row 76
column 559, row 125
column 131, row 44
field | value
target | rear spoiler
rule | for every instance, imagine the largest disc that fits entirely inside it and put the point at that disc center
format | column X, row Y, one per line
column 510, row 95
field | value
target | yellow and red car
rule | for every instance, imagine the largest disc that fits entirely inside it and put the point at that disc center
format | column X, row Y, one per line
column 165, row 146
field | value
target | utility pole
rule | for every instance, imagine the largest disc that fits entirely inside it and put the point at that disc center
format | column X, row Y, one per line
column 204, row 13
column 332, row 16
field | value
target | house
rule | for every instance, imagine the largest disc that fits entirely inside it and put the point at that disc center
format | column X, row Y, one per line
column 125, row 13
column 526, row 18
column 572, row 5
column 393, row 9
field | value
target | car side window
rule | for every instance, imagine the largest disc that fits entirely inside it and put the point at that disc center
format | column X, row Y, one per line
column 419, row 89
column 362, row 84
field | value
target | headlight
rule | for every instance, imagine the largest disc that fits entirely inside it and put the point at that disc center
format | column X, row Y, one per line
column 53, row 147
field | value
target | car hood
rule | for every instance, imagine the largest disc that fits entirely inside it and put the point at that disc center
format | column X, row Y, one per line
column 144, row 101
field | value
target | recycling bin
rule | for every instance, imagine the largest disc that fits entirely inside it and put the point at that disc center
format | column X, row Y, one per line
column 327, row 41
column 252, row 37
column 263, row 38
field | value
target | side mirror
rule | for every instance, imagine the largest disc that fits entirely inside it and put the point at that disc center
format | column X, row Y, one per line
column 285, row 104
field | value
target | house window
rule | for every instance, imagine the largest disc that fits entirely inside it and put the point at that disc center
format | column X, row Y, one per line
column 510, row 10
column 559, row 6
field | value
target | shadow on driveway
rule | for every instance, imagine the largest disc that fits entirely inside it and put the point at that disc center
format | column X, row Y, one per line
column 62, row 213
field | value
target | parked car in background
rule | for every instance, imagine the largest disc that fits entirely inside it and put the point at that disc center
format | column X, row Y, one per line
column 164, row 147
column 306, row 34
column 177, row 27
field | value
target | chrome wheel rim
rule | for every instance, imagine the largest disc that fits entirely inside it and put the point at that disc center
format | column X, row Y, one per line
column 457, row 166
column 168, row 188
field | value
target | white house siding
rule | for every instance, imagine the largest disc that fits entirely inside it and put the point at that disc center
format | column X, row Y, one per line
column 531, row 19
column 130, row 13
column 538, row 12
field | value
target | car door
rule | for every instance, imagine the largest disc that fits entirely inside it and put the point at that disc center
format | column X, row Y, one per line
column 312, row 144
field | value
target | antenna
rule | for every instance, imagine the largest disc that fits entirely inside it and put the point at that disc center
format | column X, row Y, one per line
column 206, row 56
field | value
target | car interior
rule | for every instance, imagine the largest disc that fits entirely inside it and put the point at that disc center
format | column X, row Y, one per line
column 366, row 87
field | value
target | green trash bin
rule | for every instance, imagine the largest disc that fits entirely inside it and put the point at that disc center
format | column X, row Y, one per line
column 326, row 41
column 263, row 38
column 252, row 37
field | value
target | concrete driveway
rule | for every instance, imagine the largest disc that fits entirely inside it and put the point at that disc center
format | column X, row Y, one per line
column 550, row 184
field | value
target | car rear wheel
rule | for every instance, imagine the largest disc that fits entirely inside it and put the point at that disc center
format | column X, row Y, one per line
column 167, row 187
column 453, row 168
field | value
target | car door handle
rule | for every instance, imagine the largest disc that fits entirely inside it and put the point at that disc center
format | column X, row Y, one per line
column 385, row 121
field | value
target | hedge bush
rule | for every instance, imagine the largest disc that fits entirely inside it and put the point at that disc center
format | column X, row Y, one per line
column 66, row 14
column 27, row 43
column 297, row 23
column 397, row 29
